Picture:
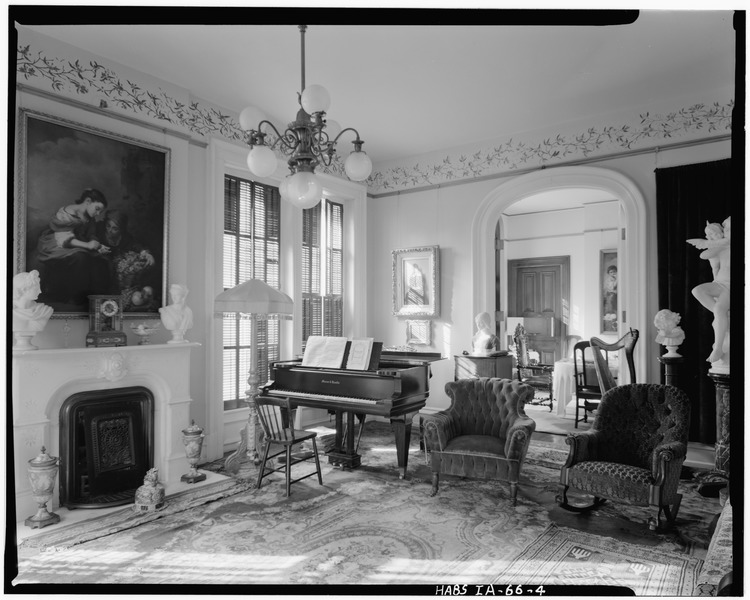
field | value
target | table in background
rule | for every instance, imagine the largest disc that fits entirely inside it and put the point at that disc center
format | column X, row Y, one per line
column 470, row 366
column 563, row 383
column 563, row 380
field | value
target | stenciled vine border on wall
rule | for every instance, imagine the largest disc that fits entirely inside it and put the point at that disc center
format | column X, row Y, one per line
column 508, row 156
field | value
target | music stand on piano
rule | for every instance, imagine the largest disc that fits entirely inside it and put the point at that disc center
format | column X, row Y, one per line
column 257, row 301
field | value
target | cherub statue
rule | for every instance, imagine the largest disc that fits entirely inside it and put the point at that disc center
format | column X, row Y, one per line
column 484, row 340
column 177, row 317
column 714, row 295
column 29, row 316
column 670, row 333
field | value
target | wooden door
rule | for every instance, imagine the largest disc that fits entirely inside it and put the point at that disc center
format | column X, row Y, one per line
column 538, row 289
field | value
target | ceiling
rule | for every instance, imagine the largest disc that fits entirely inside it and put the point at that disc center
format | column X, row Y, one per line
column 414, row 89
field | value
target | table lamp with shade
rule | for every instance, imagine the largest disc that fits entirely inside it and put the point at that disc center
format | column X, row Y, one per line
column 255, row 300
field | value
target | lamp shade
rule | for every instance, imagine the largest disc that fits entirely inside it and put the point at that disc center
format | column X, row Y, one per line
column 254, row 297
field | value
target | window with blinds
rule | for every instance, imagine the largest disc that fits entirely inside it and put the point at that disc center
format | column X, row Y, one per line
column 251, row 251
column 322, row 270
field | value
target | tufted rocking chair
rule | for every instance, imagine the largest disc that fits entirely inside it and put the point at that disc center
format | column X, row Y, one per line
column 484, row 433
column 633, row 452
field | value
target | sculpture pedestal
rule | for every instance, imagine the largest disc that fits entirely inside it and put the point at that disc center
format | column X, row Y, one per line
column 671, row 368
column 711, row 482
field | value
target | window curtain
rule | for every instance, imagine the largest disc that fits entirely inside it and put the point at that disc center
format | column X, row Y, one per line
column 686, row 197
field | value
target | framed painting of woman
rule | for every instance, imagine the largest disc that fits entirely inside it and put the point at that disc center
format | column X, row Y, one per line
column 91, row 215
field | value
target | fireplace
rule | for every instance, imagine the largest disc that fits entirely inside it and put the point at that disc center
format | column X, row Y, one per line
column 44, row 380
column 106, row 446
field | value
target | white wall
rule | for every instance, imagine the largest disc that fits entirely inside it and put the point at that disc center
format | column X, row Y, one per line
column 443, row 216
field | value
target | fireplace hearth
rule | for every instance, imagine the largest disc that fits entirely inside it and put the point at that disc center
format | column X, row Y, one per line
column 106, row 446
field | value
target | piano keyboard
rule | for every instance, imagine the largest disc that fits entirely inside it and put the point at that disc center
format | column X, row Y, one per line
column 292, row 394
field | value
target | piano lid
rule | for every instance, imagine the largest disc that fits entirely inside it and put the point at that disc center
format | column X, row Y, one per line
column 411, row 355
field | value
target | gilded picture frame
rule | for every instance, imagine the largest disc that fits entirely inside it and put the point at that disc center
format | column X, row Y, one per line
column 608, row 291
column 418, row 332
column 416, row 282
column 126, row 242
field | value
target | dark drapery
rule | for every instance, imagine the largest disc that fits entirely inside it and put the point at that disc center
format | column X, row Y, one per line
column 686, row 197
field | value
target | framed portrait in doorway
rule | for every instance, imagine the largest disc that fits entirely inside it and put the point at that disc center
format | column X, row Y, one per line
column 91, row 215
column 416, row 282
column 608, row 290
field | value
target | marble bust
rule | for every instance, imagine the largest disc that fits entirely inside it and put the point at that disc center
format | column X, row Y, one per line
column 177, row 317
column 484, row 340
column 670, row 334
column 29, row 316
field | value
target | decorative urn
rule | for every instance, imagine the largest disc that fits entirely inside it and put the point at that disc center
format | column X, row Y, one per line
column 192, row 437
column 42, row 473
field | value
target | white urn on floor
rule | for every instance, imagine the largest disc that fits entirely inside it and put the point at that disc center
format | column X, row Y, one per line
column 42, row 473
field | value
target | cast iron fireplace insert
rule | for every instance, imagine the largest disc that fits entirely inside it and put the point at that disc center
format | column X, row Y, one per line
column 106, row 446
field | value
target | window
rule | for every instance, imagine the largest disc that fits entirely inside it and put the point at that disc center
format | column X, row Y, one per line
column 322, row 279
column 251, row 251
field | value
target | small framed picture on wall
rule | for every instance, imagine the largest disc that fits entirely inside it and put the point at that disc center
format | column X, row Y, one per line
column 608, row 287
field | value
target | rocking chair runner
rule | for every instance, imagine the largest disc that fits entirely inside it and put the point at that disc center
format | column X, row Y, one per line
column 536, row 375
column 633, row 452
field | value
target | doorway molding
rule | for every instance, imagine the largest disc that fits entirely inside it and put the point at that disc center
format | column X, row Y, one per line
column 633, row 210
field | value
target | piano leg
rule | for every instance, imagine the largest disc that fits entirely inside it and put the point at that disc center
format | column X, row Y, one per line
column 344, row 456
column 402, row 428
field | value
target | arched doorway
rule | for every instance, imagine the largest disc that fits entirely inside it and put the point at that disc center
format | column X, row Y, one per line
column 632, row 273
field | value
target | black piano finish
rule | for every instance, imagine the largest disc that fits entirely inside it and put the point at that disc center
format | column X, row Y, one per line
column 398, row 389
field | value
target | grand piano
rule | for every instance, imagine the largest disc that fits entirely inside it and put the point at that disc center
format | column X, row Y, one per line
column 397, row 389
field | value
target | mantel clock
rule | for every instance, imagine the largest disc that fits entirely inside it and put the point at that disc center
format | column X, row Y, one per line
column 105, row 322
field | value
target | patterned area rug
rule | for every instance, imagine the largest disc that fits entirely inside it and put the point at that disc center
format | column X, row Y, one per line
column 367, row 526
column 564, row 556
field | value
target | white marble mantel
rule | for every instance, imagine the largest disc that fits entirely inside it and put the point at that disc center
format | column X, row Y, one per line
column 43, row 379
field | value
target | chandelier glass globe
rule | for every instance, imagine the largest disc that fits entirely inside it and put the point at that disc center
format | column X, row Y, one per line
column 333, row 128
column 315, row 98
column 250, row 117
column 358, row 166
column 261, row 161
column 304, row 189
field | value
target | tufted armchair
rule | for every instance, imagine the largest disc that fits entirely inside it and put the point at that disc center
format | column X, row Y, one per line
column 484, row 433
column 633, row 452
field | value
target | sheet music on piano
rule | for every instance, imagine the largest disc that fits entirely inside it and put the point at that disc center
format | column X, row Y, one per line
column 360, row 351
column 327, row 352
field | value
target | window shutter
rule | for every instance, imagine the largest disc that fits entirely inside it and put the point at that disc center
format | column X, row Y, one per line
column 251, row 251
column 322, row 283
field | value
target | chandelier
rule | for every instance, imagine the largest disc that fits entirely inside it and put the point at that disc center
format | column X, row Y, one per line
column 309, row 140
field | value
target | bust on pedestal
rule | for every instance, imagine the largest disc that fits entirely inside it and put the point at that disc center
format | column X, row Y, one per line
column 670, row 335
column 29, row 317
